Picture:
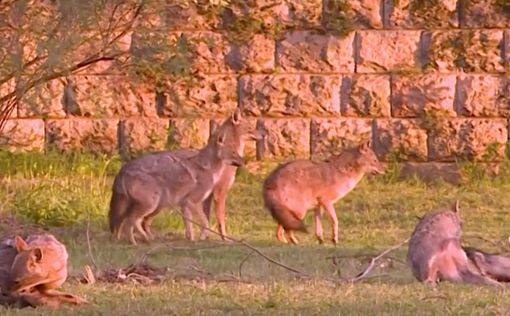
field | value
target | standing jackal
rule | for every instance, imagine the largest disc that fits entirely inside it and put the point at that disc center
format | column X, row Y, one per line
column 145, row 185
column 435, row 253
column 295, row 187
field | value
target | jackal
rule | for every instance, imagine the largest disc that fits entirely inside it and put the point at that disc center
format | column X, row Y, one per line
column 495, row 266
column 295, row 187
column 145, row 185
column 435, row 253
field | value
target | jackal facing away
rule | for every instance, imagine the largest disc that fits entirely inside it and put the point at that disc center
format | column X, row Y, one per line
column 34, row 269
column 435, row 253
column 295, row 187
column 496, row 267
column 159, row 180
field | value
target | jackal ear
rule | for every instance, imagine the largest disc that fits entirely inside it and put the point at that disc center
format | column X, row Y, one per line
column 37, row 253
column 236, row 116
column 221, row 138
column 213, row 127
column 455, row 207
column 20, row 244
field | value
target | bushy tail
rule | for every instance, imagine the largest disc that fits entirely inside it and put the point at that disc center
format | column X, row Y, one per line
column 118, row 209
column 283, row 215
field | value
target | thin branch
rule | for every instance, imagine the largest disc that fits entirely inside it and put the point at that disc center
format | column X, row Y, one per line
column 370, row 266
column 89, row 247
column 243, row 261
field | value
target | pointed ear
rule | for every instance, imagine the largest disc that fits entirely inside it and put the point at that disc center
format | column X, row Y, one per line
column 221, row 138
column 20, row 244
column 455, row 207
column 213, row 127
column 236, row 116
column 37, row 253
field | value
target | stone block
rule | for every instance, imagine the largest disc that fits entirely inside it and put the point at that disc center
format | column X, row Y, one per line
column 383, row 51
column 307, row 51
column 400, row 139
column 143, row 134
column 421, row 14
column 483, row 96
column 290, row 95
column 93, row 135
column 468, row 139
column 209, row 52
column 256, row 55
column 45, row 100
column 188, row 133
column 417, row 95
column 23, row 135
column 486, row 14
column 285, row 138
column 331, row 136
column 366, row 95
column 360, row 14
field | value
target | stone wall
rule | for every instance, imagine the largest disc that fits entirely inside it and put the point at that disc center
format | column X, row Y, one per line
column 425, row 80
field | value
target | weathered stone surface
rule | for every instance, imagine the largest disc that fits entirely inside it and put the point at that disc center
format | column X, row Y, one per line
column 273, row 14
column 331, row 136
column 309, row 51
column 285, row 138
column 106, row 96
column 486, row 13
column 7, row 88
column 478, row 139
column 400, row 139
column 421, row 14
column 483, row 96
column 203, row 96
column 257, row 55
column 383, row 51
column 209, row 52
column 188, row 15
column 290, row 95
column 23, row 135
column 417, row 95
column 432, row 171
column 366, row 95
column 188, row 133
column 143, row 134
column 360, row 14
column 46, row 100
column 82, row 135
column 467, row 50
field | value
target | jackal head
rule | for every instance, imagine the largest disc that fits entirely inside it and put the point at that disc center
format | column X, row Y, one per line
column 227, row 153
column 368, row 159
column 28, row 269
column 237, row 130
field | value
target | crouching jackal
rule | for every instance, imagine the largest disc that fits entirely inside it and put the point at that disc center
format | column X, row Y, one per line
column 295, row 187
column 435, row 253
column 162, row 180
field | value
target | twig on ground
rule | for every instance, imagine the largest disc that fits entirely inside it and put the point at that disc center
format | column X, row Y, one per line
column 243, row 261
column 370, row 266
column 89, row 247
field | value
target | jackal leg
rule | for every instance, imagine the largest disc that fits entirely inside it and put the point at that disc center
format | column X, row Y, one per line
column 219, row 206
column 334, row 220
column 292, row 238
column 146, row 223
column 207, row 206
column 280, row 234
column 136, row 213
column 318, row 225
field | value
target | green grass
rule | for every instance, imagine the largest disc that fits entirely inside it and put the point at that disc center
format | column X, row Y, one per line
column 64, row 193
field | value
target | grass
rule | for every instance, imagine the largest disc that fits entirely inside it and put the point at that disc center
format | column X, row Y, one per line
column 63, row 193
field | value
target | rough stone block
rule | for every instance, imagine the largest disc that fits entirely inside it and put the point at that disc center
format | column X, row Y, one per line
column 256, row 55
column 143, row 134
column 188, row 15
column 483, row 96
column 360, row 14
column 23, row 135
column 366, row 95
column 486, row 13
column 477, row 139
column 209, row 52
column 285, row 138
column 102, row 96
column 382, row 51
column 313, row 52
column 331, row 136
column 83, row 135
column 202, row 96
column 414, row 96
column 290, row 95
column 45, row 100
column 188, row 133
column 467, row 50
column 421, row 14
column 400, row 139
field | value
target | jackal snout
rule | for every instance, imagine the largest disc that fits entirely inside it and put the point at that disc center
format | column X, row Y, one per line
column 370, row 161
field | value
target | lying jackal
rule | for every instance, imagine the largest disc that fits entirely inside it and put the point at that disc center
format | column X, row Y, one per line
column 435, row 253
column 496, row 267
column 295, row 187
column 145, row 185
column 35, row 268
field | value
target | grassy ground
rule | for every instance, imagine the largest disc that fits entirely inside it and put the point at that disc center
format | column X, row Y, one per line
column 65, row 193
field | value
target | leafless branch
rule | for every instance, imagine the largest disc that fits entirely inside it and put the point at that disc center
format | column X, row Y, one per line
column 89, row 247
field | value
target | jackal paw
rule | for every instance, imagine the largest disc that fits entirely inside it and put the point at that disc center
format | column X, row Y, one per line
column 320, row 239
column 335, row 241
